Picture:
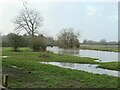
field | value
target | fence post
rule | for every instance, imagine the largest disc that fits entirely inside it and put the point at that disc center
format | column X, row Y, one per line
column 6, row 81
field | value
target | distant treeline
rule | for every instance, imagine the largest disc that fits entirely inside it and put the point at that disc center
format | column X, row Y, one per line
column 67, row 38
column 23, row 40
column 101, row 42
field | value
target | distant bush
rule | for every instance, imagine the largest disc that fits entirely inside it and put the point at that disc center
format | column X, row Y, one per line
column 38, row 43
column 15, row 41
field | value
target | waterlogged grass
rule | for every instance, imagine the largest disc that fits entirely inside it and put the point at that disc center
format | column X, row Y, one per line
column 100, row 48
column 110, row 65
column 45, row 56
column 34, row 75
column 25, row 71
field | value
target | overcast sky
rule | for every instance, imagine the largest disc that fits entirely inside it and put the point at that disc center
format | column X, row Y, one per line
column 94, row 20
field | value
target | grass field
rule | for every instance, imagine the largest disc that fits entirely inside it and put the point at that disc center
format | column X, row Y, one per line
column 110, row 65
column 25, row 72
column 112, row 48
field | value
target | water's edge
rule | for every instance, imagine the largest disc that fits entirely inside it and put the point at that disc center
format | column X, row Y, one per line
column 91, row 68
column 101, row 55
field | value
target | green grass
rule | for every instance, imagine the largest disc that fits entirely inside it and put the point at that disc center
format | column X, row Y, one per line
column 100, row 48
column 31, row 74
column 45, row 56
column 110, row 65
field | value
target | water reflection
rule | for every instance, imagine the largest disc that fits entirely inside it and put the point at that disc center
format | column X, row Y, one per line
column 64, row 51
column 67, row 64
column 85, row 67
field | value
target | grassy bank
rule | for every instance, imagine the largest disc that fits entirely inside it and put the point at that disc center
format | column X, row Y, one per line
column 100, row 48
column 25, row 72
column 110, row 65
column 26, row 54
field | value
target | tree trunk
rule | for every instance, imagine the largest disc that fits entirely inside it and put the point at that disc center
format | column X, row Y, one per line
column 15, row 49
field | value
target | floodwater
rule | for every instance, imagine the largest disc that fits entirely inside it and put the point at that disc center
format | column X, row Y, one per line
column 84, row 67
column 103, row 56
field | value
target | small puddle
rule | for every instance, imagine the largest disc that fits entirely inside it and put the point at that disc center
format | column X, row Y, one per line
column 3, row 56
column 85, row 67
column 15, row 67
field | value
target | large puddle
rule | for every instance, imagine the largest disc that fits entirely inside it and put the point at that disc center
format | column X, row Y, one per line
column 103, row 56
column 84, row 67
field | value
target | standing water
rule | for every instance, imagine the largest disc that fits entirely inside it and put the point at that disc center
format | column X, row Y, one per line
column 103, row 56
column 84, row 67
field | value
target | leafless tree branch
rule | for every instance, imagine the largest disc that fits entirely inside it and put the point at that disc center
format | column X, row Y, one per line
column 29, row 20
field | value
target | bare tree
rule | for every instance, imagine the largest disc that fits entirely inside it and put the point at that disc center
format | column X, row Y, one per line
column 28, row 20
column 24, row 3
column 68, row 38
column 102, row 41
